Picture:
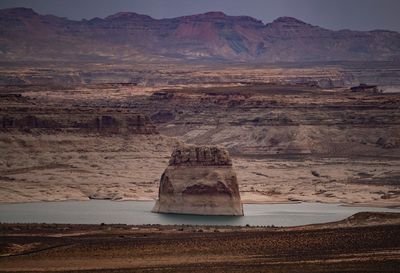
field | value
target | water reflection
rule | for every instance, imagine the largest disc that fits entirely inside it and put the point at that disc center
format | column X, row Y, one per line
column 199, row 219
column 139, row 213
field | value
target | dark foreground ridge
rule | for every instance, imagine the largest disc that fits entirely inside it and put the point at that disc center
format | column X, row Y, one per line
column 366, row 242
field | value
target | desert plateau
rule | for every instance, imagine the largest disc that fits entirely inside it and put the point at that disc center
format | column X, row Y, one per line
column 290, row 139
column 200, row 136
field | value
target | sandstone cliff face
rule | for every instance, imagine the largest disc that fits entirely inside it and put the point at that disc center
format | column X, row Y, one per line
column 199, row 180
column 68, row 120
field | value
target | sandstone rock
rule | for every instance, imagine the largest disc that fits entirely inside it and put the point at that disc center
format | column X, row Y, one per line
column 199, row 180
column 389, row 143
column 365, row 88
column 163, row 116
column 66, row 119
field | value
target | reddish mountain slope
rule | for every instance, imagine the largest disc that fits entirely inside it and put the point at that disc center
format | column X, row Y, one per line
column 26, row 35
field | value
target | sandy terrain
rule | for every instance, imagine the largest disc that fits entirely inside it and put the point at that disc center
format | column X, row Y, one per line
column 58, row 167
column 366, row 242
column 318, row 180
column 289, row 142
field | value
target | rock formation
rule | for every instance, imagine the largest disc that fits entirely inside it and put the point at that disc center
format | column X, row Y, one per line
column 90, row 122
column 199, row 180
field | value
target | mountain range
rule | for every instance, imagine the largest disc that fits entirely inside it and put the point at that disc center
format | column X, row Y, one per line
column 213, row 36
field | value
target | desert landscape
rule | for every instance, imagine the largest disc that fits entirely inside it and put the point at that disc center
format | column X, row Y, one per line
column 334, row 247
column 191, row 134
column 290, row 139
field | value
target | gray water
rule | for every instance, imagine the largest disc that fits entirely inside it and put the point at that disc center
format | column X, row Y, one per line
column 138, row 213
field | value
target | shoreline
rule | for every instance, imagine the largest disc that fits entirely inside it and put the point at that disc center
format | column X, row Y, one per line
column 247, row 202
column 182, row 248
column 139, row 213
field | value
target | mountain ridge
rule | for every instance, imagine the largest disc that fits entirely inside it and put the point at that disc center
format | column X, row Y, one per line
column 215, row 36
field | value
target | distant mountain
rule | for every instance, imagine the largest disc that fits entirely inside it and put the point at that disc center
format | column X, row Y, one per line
column 26, row 35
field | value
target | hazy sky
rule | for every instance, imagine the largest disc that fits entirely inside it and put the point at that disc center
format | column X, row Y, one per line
column 332, row 14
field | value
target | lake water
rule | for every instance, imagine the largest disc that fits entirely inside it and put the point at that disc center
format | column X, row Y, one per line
column 138, row 213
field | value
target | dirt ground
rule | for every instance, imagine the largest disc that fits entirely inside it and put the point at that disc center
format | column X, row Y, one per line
column 366, row 242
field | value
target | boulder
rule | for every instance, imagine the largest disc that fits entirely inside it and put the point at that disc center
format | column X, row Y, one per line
column 199, row 180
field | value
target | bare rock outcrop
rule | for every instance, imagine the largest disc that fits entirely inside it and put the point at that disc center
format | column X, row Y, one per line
column 92, row 122
column 199, row 180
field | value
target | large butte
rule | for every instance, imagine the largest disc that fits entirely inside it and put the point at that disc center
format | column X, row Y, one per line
column 199, row 180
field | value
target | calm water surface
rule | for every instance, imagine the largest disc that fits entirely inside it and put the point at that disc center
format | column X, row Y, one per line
column 138, row 213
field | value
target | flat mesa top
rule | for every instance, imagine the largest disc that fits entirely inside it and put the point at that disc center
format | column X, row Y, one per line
column 200, row 156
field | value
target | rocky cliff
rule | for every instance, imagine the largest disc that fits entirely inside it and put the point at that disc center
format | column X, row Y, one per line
column 199, row 180
column 73, row 120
